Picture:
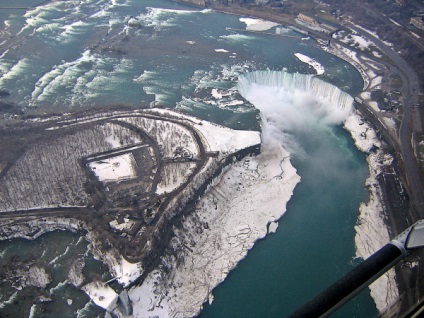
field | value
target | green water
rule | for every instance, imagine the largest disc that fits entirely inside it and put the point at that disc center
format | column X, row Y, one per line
column 313, row 245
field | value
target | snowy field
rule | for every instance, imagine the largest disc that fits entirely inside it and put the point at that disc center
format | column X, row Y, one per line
column 237, row 214
column 115, row 169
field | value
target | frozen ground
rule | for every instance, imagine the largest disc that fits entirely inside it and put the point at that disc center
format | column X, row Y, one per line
column 115, row 169
column 371, row 231
column 101, row 294
column 233, row 214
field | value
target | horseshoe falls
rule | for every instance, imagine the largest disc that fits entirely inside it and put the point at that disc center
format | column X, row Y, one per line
column 295, row 101
column 336, row 99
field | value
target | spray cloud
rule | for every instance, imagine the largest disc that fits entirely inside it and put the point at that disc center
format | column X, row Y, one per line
column 294, row 103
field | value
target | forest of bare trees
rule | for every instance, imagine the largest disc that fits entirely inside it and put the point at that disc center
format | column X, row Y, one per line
column 49, row 174
column 167, row 135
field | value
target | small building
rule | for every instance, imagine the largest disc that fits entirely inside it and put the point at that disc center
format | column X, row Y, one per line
column 315, row 24
column 310, row 20
column 417, row 22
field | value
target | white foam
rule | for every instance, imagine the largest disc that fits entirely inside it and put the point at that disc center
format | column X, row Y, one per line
column 41, row 15
column 74, row 28
column 48, row 27
column 119, row 3
column 58, row 286
column 20, row 69
column 80, row 80
column 237, row 37
column 9, row 301
column 160, row 18
column 62, row 75
column 33, row 311
column 295, row 101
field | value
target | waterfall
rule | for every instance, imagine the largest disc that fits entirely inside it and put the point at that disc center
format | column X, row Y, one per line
column 299, row 94
column 294, row 105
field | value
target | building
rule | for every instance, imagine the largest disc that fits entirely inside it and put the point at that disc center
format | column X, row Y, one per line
column 305, row 18
column 314, row 24
column 417, row 22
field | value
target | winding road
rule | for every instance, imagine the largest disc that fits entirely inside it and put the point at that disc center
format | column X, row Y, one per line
column 411, row 123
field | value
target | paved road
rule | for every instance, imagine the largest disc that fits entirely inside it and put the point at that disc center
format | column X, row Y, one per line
column 161, row 224
column 410, row 98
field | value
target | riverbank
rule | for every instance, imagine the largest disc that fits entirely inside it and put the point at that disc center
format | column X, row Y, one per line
column 372, row 232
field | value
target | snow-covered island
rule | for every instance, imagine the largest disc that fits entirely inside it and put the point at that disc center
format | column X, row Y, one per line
column 184, row 172
column 191, row 179
column 240, row 207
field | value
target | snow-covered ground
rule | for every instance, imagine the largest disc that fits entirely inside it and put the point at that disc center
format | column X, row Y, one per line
column 308, row 60
column 375, row 35
column 232, row 215
column 362, row 42
column 127, row 272
column 371, row 231
column 206, row 265
column 101, row 294
column 390, row 123
column 227, row 140
column 117, row 168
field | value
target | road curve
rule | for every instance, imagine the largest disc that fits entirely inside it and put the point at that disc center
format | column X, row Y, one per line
column 410, row 98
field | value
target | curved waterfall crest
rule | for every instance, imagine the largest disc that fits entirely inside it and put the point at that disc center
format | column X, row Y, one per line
column 290, row 82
